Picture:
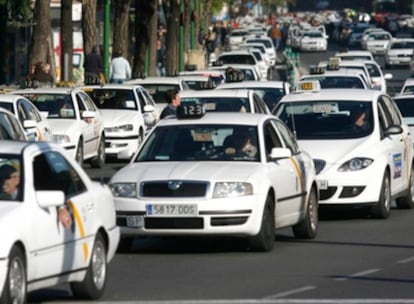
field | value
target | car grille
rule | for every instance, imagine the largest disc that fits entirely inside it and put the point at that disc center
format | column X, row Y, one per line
column 174, row 189
column 319, row 165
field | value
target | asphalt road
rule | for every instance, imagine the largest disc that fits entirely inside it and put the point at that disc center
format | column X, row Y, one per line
column 354, row 259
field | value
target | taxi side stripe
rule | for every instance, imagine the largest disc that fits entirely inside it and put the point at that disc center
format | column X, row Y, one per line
column 298, row 172
column 81, row 228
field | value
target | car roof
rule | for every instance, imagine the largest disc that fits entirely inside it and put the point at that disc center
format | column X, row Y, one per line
column 404, row 96
column 47, row 90
column 161, row 80
column 253, row 84
column 332, row 94
column 215, row 118
column 113, row 86
column 10, row 98
column 216, row 93
column 13, row 146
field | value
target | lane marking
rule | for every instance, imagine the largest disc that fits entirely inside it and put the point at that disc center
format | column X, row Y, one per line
column 407, row 260
column 290, row 292
column 358, row 274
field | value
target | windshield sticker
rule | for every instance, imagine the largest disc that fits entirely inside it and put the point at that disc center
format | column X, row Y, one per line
column 325, row 107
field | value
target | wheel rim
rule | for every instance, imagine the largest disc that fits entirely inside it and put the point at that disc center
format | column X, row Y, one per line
column 313, row 212
column 99, row 265
column 387, row 196
column 412, row 186
column 79, row 154
column 17, row 281
column 101, row 152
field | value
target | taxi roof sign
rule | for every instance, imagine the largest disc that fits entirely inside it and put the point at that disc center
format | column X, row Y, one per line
column 308, row 86
column 190, row 110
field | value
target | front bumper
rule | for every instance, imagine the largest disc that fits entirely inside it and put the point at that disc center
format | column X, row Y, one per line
column 121, row 148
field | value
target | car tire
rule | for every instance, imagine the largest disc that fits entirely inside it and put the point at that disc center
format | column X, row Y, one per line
column 307, row 228
column 79, row 153
column 265, row 239
column 407, row 201
column 382, row 208
column 99, row 160
column 93, row 285
column 15, row 286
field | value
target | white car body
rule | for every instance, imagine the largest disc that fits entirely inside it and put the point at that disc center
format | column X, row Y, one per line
column 405, row 103
column 364, row 167
column 377, row 42
column 236, row 37
column 399, row 52
column 408, row 86
column 240, row 100
column 267, row 42
column 354, row 55
column 378, row 79
column 313, row 40
column 27, row 113
column 250, row 71
column 185, row 187
column 79, row 128
column 129, row 113
column 34, row 241
column 342, row 78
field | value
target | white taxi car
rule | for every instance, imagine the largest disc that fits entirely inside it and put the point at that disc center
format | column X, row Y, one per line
column 313, row 40
column 28, row 114
column 399, row 52
column 76, row 122
column 237, row 100
column 128, row 112
column 408, row 86
column 223, row 174
column 57, row 227
column 362, row 149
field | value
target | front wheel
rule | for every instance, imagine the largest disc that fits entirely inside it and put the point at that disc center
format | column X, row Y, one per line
column 265, row 239
column 99, row 160
column 308, row 227
column 79, row 153
column 93, row 285
column 382, row 208
column 15, row 286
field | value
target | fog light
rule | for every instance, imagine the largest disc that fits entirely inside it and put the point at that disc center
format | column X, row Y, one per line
column 351, row 191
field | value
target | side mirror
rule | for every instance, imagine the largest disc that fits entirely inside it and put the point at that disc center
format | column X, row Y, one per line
column 393, row 130
column 88, row 114
column 29, row 124
column 388, row 76
column 280, row 153
column 46, row 199
column 148, row 108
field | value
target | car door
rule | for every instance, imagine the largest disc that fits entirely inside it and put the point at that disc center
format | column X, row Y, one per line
column 56, row 248
column 90, row 126
column 43, row 130
column 283, row 176
column 400, row 146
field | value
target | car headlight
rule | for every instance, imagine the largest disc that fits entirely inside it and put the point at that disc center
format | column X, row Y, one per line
column 355, row 164
column 124, row 189
column 61, row 138
column 232, row 189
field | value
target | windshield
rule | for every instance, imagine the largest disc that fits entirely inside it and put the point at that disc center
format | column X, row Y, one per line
column 220, row 104
column 237, row 59
column 56, row 105
column 406, row 106
column 402, row 45
column 10, row 175
column 157, row 91
column 201, row 143
column 331, row 82
column 113, row 99
column 327, row 119
column 7, row 105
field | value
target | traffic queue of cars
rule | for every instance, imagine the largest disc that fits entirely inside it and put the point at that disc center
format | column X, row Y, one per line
column 243, row 157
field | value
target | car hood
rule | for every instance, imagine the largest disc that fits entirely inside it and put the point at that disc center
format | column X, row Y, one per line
column 62, row 126
column 336, row 151
column 114, row 118
column 201, row 171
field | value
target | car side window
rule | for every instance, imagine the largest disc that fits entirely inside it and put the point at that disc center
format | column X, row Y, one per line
column 30, row 111
column 51, row 171
column 80, row 103
column 271, row 139
column 287, row 136
column 141, row 100
column 88, row 102
column 393, row 110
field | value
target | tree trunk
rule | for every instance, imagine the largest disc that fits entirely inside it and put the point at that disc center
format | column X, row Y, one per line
column 145, row 37
column 89, row 25
column 120, row 40
column 66, row 30
column 173, row 30
column 3, row 44
column 41, row 38
column 187, row 20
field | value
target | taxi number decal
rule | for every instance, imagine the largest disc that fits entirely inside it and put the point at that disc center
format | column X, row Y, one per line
column 325, row 108
column 397, row 162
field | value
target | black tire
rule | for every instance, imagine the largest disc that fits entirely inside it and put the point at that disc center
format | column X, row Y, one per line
column 99, row 160
column 15, row 286
column 307, row 228
column 382, row 208
column 265, row 239
column 93, row 285
column 407, row 201
column 79, row 153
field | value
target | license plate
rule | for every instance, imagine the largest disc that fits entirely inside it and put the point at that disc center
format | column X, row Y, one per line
column 135, row 221
column 172, row 209
column 323, row 184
